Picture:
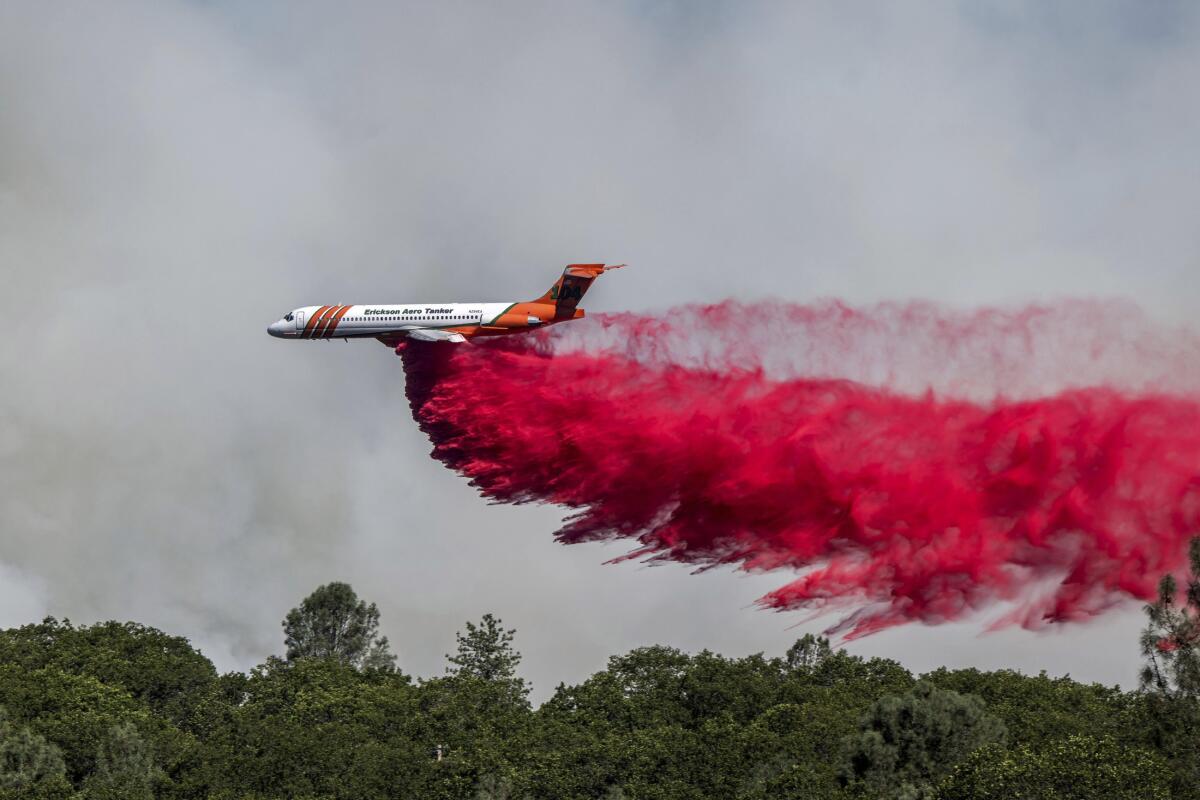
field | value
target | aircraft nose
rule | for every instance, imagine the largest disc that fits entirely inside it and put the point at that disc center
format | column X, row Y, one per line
column 276, row 328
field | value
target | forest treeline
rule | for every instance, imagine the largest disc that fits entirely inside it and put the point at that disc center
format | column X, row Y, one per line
column 121, row 710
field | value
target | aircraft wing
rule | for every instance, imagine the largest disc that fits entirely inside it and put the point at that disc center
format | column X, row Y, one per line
column 435, row 335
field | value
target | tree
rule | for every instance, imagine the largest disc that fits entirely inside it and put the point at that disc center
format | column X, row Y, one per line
column 491, row 787
column 808, row 653
column 485, row 652
column 906, row 744
column 125, row 767
column 77, row 712
column 1075, row 768
column 164, row 671
column 321, row 729
column 30, row 767
column 1170, row 679
column 332, row 623
column 1039, row 709
column 1171, row 640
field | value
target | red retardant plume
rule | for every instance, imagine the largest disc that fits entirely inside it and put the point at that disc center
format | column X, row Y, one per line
column 896, row 506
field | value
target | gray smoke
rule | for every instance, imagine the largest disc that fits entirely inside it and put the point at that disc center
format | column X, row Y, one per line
column 174, row 176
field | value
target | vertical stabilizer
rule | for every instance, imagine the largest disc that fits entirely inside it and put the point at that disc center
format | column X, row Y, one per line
column 569, row 289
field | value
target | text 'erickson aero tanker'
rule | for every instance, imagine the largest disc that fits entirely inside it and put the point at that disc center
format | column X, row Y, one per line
column 442, row 322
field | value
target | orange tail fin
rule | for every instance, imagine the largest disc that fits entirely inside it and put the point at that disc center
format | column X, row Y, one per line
column 568, row 290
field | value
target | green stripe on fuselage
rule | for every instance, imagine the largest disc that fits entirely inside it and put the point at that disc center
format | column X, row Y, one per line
column 501, row 314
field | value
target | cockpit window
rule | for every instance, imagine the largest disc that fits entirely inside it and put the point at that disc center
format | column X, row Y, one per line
column 289, row 317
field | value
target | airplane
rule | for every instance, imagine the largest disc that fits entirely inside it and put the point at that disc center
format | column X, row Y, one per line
column 442, row 322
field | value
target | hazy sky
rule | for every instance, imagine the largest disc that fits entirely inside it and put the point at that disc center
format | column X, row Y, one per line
column 176, row 175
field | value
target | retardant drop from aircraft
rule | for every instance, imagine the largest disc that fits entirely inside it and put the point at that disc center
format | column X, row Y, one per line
column 947, row 487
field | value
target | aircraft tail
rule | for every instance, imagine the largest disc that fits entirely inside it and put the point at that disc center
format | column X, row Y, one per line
column 568, row 290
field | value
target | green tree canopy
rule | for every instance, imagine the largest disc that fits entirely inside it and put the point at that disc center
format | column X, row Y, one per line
column 905, row 744
column 1037, row 709
column 1170, row 678
column 320, row 728
column 332, row 623
column 486, row 652
column 1171, row 640
column 808, row 653
column 1075, row 768
column 118, row 710
column 30, row 767
column 76, row 713
column 125, row 767
column 164, row 671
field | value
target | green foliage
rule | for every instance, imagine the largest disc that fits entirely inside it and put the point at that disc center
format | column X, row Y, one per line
column 125, row 767
column 658, row 722
column 1075, row 768
column 1171, row 641
column 882, row 676
column 808, row 653
column 30, row 767
column 1171, row 676
column 479, row 725
column 1064, row 707
column 320, row 728
column 332, row 623
column 163, row 671
column 485, row 651
column 906, row 744
column 123, row 711
column 1171, row 727
column 76, row 713
column 782, row 780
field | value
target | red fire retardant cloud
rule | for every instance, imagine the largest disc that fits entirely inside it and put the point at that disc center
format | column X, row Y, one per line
column 893, row 507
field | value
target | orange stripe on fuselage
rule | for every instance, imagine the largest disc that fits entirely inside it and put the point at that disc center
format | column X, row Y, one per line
column 334, row 322
column 312, row 321
column 321, row 323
